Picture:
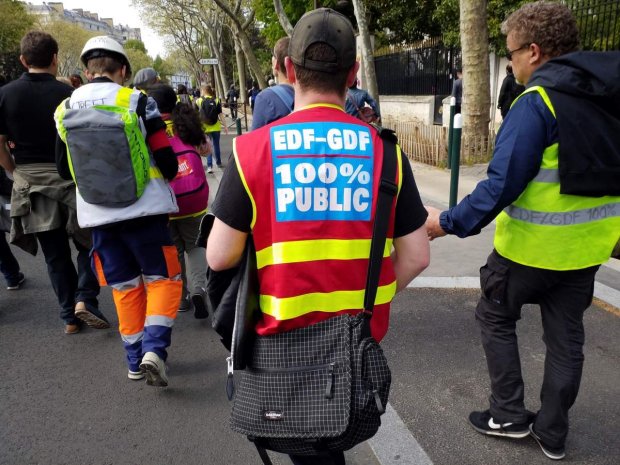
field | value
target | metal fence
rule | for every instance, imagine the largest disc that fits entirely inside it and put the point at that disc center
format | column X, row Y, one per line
column 424, row 68
column 599, row 23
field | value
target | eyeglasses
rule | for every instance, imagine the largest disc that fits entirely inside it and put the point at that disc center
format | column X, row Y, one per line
column 510, row 52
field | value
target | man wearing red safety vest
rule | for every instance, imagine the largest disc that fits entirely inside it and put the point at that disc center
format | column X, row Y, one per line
column 306, row 187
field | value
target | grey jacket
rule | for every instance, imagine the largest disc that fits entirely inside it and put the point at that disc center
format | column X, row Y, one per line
column 42, row 201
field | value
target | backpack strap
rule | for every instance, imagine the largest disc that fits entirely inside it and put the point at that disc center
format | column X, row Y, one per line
column 284, row 95
column 387, row 191
column 352, row 100
column 123, row 97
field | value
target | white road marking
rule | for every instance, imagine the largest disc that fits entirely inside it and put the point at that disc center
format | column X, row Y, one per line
column 395, row 445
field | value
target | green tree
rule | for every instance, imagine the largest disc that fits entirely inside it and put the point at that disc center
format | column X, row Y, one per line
column 71, row 39
column 138, row 59
column 14, row 23
column 447, row 16
column 163, row 68
column 135, row 44
column 403, row 21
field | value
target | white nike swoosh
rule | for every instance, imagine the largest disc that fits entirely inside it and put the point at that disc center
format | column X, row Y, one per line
column 494, row 425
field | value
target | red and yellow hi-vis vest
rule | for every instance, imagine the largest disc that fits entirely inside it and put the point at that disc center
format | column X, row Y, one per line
column 313, row 179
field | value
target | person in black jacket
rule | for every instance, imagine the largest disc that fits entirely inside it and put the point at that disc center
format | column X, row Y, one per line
column 509, row 91
column 552, row 232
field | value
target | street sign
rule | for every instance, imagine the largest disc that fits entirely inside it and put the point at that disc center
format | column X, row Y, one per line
column 208, row 61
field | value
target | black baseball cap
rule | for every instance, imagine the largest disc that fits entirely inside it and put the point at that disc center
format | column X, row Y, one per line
column 327, row 26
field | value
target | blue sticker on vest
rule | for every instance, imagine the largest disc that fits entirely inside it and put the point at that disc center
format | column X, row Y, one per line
column 322, row 171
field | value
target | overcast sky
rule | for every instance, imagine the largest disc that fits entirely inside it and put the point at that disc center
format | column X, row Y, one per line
column 122, row 12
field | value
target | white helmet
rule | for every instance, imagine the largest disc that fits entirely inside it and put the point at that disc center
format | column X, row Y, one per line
column 103, row 46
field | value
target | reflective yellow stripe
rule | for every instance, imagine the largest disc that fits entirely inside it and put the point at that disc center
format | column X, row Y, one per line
column 292, row 307
column 543, row 94
column 154, row 172
column 245, row 183
column 399, row 162
column 320, row 249
column 123, row 97
column 191, row 215
column 324, row 105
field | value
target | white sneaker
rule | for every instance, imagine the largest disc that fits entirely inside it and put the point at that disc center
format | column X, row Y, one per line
column 135, row 375
column 155, row 370
column 209, row 170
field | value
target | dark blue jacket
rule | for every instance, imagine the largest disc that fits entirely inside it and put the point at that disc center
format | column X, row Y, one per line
column 585, row 92
column 269, row 107
column 528, row 129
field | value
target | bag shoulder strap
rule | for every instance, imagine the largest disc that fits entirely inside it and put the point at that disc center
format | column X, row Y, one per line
column 284, row 95
column 263, row 454
column 387, row 190
column 352, row 100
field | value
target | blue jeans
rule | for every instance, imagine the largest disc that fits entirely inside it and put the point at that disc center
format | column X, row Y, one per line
column 69, row 286
column 215, row 135
column 8, row 263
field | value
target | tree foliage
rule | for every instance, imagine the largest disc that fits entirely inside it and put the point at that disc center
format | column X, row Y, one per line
column 161, row 66
column 404, row 21
column 447, row 16
column 71, row 39
column 135, row 44
column 14, row 23
column 138, row 59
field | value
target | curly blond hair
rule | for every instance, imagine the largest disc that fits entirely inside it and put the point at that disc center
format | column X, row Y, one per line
column 550, row 25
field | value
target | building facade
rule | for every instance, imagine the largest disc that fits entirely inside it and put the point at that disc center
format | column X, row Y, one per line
column 54, row 11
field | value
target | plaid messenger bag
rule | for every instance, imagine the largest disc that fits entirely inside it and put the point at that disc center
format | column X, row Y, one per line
column 324, row 386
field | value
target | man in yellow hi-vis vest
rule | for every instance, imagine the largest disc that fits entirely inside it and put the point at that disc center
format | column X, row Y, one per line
column 555, row 184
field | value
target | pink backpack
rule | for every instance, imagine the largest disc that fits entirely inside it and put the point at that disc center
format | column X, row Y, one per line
column 190, row 184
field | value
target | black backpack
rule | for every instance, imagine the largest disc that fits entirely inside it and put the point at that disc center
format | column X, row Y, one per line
column 208, row 110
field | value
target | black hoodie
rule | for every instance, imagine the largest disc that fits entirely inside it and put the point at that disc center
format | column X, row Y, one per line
column 584, row 88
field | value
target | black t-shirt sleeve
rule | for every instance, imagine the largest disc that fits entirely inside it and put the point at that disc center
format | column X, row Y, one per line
column 232, row 204
column 410, row 211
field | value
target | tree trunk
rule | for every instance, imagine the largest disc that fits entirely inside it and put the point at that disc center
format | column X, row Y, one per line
column 476, row 92
column 368, row 60
column 284, row 21
column 244, row 42
column 221, row 77
column 243, row 92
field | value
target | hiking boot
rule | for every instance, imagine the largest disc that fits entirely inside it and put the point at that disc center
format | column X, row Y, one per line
column 135, row 375
column 15, row 284
column 92, row 320
column 184, row 306
column 554, row 453
column 483, row 423
column 72, row 329
column 155, row 370
column 200, row 307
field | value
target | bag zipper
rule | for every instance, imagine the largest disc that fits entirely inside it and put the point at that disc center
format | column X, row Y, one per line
column 294, row 369
column 330, row 367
